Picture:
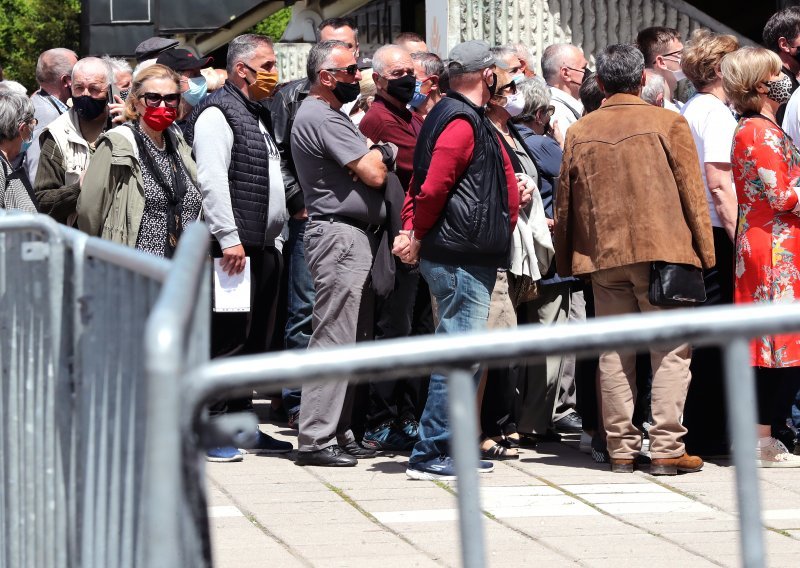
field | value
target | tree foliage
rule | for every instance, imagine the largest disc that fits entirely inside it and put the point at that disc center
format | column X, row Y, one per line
column 275, row 25
column 28, row 27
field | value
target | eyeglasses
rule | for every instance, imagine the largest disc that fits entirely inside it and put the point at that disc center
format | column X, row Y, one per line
column 549, row 111
column 154, row 100
column 584, row 70
column 350, row 69
column 676, row 54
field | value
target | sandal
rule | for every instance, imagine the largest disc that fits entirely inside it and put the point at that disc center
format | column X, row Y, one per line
column 498, row 453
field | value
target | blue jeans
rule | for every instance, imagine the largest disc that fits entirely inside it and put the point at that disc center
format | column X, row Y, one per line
column 463, row 294
column 300, row 302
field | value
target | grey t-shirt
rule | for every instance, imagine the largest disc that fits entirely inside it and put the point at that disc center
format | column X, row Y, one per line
column 323, row 142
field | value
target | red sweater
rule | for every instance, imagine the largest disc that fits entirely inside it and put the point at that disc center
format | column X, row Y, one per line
column 451, row 156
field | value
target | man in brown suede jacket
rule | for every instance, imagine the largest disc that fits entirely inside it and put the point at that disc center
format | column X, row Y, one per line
column 631, row 193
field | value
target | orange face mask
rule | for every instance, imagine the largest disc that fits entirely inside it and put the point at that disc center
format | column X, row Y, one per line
column 264, row 85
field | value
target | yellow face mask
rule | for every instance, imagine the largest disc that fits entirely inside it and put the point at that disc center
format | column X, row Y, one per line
column 264, row 85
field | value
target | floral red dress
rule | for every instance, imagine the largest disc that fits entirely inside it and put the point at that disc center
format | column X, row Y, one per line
column 766, row 168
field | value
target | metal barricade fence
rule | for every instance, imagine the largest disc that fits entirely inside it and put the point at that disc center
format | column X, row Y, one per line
column 726, row 327
column 75, row 423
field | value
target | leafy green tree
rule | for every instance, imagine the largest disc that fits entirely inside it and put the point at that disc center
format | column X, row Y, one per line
column 275, row 25
column 28, row 27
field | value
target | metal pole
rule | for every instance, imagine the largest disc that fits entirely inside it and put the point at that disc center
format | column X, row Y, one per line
column 740, row 393
column 464, row 448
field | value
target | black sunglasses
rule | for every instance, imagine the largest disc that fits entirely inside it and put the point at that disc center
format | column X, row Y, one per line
column 154, row 99
column 350, row 69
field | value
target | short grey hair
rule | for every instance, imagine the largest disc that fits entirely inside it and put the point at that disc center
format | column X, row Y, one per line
column 536, row 96
column 15, row 109
column 320, row 57
column 118, row 65
column 501, row 52
column 620, row 68
column 523, row 52
column 14, row 87
column 89, row 62
column 655, row 86
column 554, row 58
column 430, row 62
column 243, row 48
column 54, row 64
column 378, row 64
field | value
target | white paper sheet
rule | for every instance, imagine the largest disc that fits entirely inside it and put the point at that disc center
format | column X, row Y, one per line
column 231, row 293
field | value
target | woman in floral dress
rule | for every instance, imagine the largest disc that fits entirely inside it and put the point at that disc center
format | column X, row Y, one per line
column 766, row 170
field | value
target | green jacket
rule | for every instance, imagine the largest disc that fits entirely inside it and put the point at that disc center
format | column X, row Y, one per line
column 111, row 201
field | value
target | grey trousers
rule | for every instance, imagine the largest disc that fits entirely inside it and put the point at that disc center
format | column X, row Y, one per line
column 565, row 403
column 339, row 257
column 540, row 386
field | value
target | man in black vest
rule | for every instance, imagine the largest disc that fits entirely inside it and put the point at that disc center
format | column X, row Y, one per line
column 244, row 203
column 460, row 213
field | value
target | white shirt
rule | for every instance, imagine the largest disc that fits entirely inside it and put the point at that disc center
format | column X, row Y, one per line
column 568, row 108
column 673, row 106
column 791, row 119
column 713, row 126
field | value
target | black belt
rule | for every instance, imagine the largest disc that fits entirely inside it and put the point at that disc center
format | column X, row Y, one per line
column 366, row 227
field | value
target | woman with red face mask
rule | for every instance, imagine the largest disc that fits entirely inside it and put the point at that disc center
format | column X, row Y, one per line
column 140, row 188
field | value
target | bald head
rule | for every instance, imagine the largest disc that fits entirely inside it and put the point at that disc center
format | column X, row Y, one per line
column 563, row 67
column 389, row 57
column 54, row 71
column 91, row 76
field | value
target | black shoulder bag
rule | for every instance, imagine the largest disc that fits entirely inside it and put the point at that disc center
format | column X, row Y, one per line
column 674, row 284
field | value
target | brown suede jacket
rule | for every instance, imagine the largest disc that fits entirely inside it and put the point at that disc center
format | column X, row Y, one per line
column 630, row 191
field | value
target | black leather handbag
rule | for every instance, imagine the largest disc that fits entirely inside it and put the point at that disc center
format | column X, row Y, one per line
column 676, row 284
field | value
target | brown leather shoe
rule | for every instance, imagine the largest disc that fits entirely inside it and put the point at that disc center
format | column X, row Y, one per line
column 621, row 465
column 671, row 466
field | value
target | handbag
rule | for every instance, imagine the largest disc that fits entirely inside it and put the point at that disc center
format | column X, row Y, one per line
column 522, row 288
column 676, row 284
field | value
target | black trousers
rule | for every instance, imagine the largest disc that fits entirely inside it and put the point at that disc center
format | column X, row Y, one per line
column 406, row 312
column 775, row 393
column 705, row 414
column 249, row 333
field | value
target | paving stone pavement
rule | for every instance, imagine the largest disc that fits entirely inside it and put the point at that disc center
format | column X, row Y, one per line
column 553, row 507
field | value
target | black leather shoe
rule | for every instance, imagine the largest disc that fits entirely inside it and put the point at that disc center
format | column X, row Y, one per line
column 358, row 451
column 332, row 456
column 569, row 424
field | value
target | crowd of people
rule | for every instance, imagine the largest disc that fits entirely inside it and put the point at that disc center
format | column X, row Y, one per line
column 408, row 195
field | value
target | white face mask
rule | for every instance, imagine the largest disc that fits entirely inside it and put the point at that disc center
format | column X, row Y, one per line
column 514, row 104
column 679, row 75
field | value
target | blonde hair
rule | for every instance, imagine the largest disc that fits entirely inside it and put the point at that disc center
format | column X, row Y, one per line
column 743, row 70
column 702, row 55
column 156, row 71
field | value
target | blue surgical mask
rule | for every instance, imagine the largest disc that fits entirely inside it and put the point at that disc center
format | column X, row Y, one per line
column 418, row 99
column 519, row 78
column 196, row 91
column 26, row 144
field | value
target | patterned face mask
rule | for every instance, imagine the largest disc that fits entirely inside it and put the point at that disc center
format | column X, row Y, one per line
column 779, row 91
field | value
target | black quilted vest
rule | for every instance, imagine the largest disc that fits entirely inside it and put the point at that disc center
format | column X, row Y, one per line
column 248, row 174
column 474, row 227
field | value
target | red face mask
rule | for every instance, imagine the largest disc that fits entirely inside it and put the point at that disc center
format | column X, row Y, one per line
column 160, row 118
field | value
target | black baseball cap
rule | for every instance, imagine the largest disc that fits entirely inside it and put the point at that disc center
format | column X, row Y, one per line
column 183, row 60
column 151, row 47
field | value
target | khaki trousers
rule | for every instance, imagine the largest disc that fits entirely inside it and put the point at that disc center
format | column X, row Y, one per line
column 623, row 290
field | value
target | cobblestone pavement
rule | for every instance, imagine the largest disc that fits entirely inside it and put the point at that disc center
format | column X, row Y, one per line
column 552, row 507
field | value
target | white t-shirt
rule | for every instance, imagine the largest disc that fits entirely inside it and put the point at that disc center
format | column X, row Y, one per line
column 791, row 120
column 568, row 108
column 713, row 126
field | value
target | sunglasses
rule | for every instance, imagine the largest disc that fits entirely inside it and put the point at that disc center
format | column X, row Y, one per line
column 154, row 99
column 350, row 69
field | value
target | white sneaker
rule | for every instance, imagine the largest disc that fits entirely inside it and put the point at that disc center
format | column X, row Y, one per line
column 775, row 454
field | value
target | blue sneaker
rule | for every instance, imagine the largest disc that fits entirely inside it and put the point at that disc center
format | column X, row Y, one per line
column 485, row 466
column 440, row 468
column 410, row 428
column 226, row 454
column 268, row 445
column 387, row 438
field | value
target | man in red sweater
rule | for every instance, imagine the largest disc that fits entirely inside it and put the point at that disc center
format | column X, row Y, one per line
column 393, row 407
column 460, row 214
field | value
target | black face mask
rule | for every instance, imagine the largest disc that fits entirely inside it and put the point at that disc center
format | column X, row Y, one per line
column 346, row 92
column 89, row 108
column 493, row 86
column 402, row 88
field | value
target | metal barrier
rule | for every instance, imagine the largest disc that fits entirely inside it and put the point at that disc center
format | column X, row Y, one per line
column 727, row 327
column 75, row 425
